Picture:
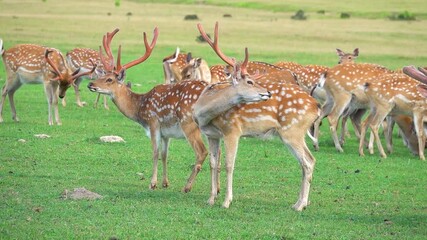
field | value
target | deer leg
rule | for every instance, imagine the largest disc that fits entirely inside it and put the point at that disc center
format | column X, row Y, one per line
column 419, row 129
column 388, row 133
column 363, row 129
column 3, row 97
column 215, row 165
column 194, row 137
column 231, row 144
column 155, row 135
column 165, row 148
column 49, row 95
column 299, row 149
column 10, row 91
column 12, row 105
column 106, row 103
column 77, row 92
column 326, row 109
column 95, row 104
column 333, row 119
column 55, row 99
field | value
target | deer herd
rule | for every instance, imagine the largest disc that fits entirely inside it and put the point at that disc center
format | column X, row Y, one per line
column 235, row 99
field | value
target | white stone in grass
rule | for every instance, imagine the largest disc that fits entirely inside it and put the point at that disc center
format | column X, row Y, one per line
column 79, row 194
column 111, row 139
column 41, row 136
column 22, row 140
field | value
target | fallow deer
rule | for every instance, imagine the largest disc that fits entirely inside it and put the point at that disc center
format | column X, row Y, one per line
column 82, row 58
column 347, row 57
column 393, row 94
column 177, row 68
column 30, row 63
column 289, row 113
column 164, row 112
column 343, row 85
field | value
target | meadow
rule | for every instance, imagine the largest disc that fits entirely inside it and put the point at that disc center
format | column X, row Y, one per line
column 351, row 197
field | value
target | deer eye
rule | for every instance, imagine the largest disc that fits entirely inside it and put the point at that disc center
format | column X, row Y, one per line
column 250, row 82
column 109, row 80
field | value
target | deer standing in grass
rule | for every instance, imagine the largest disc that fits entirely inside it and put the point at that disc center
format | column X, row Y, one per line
column 82, row 58
column 164, row 112
column 345, row 95
column 289, row 113
column 29, row 64
column 394, row 94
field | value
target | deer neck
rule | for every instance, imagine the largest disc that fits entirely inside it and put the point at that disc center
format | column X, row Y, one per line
column 128, row 102
column 214, row 101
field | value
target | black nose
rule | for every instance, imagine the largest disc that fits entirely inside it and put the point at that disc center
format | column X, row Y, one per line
column 269, row 94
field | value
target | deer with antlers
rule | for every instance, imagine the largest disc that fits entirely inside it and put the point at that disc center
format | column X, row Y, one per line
column 165, row 111
column 82, row 58
column 290, row 112
column 30, row 63
column 395, row 94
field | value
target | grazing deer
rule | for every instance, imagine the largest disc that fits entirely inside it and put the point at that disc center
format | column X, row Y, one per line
column 177, row 68
column 82, row 58
column 28, row 64
column 347, row 57
column 289, row 113
column 393, row 94
column 345, row 95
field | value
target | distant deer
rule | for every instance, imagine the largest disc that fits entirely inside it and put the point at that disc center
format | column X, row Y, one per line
column 177, row 66
column 30, row 63
column 164, row 112
column 82, row 58
column 289, row 113
column 347, row 57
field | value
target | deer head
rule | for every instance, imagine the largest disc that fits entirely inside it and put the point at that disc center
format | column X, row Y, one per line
column 347, row 57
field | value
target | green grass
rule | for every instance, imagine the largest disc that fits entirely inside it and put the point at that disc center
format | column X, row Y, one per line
column 351, row 197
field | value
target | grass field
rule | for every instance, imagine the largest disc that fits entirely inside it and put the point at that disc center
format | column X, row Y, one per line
column 351, row 197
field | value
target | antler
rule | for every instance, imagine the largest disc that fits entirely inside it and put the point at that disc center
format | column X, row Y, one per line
column 76, row 76
column 106, row 41
column 148, row 49
column 215, row 47
column 55, row 68
column 418, row 74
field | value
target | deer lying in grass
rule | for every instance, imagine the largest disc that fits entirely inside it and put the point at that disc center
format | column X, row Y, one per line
column 29, row 64
column 289, row 113
column 393, row 94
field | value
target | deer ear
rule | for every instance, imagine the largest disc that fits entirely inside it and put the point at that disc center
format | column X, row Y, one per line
column 340, row 52
column 121, row 75
column 356, row 52
column 189, row 57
